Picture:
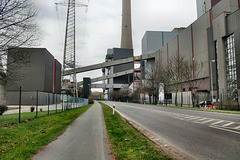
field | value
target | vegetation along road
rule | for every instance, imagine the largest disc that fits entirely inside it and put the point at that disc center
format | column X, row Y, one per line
column 199, row 134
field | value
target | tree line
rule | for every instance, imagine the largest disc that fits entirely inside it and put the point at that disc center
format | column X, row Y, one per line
column 18, row 28
column 168, row 78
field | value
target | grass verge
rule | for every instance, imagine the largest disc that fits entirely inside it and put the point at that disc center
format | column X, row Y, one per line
column 22, row 141
column 14, row 118
column 127, row 142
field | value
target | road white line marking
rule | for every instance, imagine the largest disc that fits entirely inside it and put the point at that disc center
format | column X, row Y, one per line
column 186, row 117
column 217, row 122
column 225, row 129
column 228, row 124
column 200, row 119
column 237, row 127
column 210, row 120
column 193, row 118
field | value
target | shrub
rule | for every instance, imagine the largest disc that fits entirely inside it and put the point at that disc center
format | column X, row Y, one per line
column 3, row 109
column 90, row 99
column 230, row 105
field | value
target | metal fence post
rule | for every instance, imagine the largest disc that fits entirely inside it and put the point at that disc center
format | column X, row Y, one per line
column 20, row 103
column 237, row 101
column 37, row 104
column 75, row 102
column 221, row 102
column 48, row 102
column 67, row 102
column 62, row 102
column 56, row 102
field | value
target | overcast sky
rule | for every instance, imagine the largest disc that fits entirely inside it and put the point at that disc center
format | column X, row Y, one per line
column 100, row 27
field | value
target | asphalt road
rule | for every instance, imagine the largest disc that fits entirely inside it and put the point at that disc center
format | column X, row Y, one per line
column 201, row 135
column 85, row 139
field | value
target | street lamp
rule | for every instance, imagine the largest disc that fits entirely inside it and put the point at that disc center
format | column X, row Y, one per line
column 212, row 61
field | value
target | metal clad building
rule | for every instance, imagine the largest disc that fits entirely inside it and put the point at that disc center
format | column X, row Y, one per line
column 150, row 37
column 213, row 39
column 42, row 72
column 121, row 53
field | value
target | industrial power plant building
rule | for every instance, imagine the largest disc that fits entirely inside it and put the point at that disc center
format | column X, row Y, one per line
column 212, row 45
column 34, row 69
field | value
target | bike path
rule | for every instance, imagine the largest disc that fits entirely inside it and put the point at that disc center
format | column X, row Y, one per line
column 84, row 139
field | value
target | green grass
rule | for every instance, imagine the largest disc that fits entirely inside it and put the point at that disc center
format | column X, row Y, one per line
column 224, row 111
column 14, row 118
column 22, row 141
column 127, row 142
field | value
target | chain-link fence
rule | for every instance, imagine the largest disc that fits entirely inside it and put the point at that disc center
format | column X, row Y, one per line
column 223, row 102
column 25, row 105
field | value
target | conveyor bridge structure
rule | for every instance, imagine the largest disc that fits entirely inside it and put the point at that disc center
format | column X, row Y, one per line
column 109, row 64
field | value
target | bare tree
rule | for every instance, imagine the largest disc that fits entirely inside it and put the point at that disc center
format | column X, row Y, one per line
column 190, row 71
column 153, row 82
column 175, row 73
column 17, row 29
column 125, row 92
column 165, row 80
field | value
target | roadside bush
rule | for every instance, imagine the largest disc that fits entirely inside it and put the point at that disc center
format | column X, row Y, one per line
column 3, row 109
column 90, row 99
column 230, row 105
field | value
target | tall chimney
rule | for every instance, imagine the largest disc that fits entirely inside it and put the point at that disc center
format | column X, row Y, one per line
column 126, row 40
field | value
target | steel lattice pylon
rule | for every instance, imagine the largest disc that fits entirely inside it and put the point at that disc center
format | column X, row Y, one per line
column 69, row 59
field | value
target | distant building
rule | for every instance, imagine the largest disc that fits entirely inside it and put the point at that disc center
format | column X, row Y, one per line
column 203, row 6
column 40, row 73
column 117, row 54
column 162, row 37
column 152, row 41
column 212, row 40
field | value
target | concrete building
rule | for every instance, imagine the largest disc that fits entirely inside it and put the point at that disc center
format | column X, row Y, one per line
column 117, row 54
column 86, row 90
column 126, row 39
column 150, row 37
column 41, row 72
column 149, row 44
column 212, row 45
column 203, row 6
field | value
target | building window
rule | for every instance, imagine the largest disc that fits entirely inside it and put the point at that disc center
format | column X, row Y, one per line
column 231, row 67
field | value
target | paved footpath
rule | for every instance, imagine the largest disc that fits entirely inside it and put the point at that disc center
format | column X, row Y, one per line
column 85, row 139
